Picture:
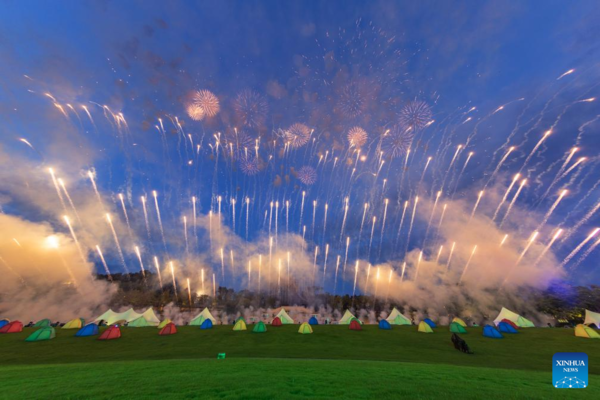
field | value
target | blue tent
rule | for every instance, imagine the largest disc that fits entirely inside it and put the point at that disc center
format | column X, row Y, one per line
column 88, row 330
column 313, row 321
column 491, row 332
column 3, row 322
column 206, row 324
column 506, row 328
column 383, row 324
column 429, row 322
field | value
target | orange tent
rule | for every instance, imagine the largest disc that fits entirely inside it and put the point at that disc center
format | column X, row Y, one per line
column 355, row 326
column 113, row 332
column 12, row 327
column 276, row 322
column 169, row 329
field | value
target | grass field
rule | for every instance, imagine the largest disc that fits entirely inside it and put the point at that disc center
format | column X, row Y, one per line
column 284, row 364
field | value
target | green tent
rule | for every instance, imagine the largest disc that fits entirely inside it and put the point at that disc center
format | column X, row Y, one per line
column 455, row 327
column 305, row 328
column 348, row 316
column 523, row 322
column 200, row 318
column 42, row 323
column 240, row 325
column 139, row 323
column 260, row 327
column 46, row 333
column 284, row 317
column 397, row 318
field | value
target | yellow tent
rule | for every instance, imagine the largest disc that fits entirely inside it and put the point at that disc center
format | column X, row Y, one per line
column 460, row 322
column 586, row 332
column 424, row 327
column 164, row 323
column 240, row 325
column 76, row 323
column 305, row 328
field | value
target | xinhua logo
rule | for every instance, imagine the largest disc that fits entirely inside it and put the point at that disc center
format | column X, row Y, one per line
column 570, row 370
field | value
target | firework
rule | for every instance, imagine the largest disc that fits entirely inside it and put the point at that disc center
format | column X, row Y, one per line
column 116, row 239
column 250, row 109
column 467, row 265
column 416, row 115
column 579, row 247
column 207, row 101
column 357, row 137
column 355, row 99
column 157, row 267
column 307, row 175
column 297, row 135
column 104, row 264
column 398, row 140
column 195, row 112
column 139, row 256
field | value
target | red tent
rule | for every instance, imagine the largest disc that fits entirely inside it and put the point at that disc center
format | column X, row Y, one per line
column 168, row 329
column 113, row 332
column 276, row 321
column 508, row 321
column 12, row 327
column 355, row 326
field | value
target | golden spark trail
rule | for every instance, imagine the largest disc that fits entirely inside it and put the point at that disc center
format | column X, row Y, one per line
column 467, row 265
column 539, row 143
column 247, row 215
column 368, row 275
column 418, row 264
column 222, row 264
column 579, row 247
column 64, row 188
column 510, row 206
column 315, row 265
column 543, row 253
column 569, row 72
column 503, row 240
column 301, row 210
column 232, row 264
column 325, row 265
column 572, row 167
column 249, row 272
column 560, row 171
column 458, row 148
column 139, row 256
column 383, row 228
column 270, row 261
column 529, row 243
column 214, row 286
column 174, row 282
column 91, row 176
column 189, row 290
column 146, row 215
column 346, row 256
column 425, row 169
column 185, row 235
column 401, row 222
column 387, row 292
column 287, row 216
column 160, row 225
column 403, row 269
column 68, row 222
column 233, row 214
column 371, row 240
column 279, row 277
column 551, row 210
column 104, row 264
column 437, row 197
column 450, row 256
column 125, row 212
column 355, row 276
column 337, row 266
column 157, row 267
column 476, row 204
column 516, row 177
column 313, row 218
column 362, row 223
column 210, row 214
column 412, row 220
column 510, row 150
column 116, row 239
column 276, row 223
column 259, row 271
column 437, row 259
column 60, row 197
column 325, row 221
column 344, row 219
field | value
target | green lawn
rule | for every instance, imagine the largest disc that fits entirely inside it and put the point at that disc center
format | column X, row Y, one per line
column 284, row 364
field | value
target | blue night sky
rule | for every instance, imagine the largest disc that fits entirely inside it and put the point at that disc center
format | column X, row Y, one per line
column 486, row 76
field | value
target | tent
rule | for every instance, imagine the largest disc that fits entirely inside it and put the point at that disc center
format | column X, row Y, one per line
column 240, row 325
column 430, row 323
column 207, row 324
column 397, row 318
column 459, row 321
column 139, row 323
column 384, row 324
column 424, row 327
column 3, row 322
column 203, row 316
column 305, row 329
column 491, row 332
column 42, row 323
column 586, row 332
column 520, row 321
column 112, row 332
column 284, row 317
column 45, row 333
column 510, row 323
column 12, row 327
column 505, row 327
column 276, row 321
column 168, row 329
column 260, row 327
column 348, row 316
column 240, row 318
column 455, row 327
column 88, row 330
column 111, row 317
column 313, row 321
column 354, row 325
column 76, row 323
column 166, row 322
column 592, row 318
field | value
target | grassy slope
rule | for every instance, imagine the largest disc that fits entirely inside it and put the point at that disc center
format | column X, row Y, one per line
column 532, row 349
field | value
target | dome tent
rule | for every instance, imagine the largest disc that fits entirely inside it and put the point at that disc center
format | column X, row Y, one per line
column 430, row 323
column 207, row 324
column 112, row 332
column 355, row 325
column 76, row 323
column 384, row 324
column 88, row 330
column 203, row 316
column 455, row 327
column 424, row 327
column 240, row 325
column 305, row 329
column 459, row 321
column 491, row 332
column 397, row 318
column 260, row 327
column 168, row 329
column 505, row 327
column 166, row 322
column 520, row 321
column 586, row 332
column 276, row 322
column 4, row 322
column 348, row 316
column 284, row 317
column 12, row 327
column 45, row 333
column 42, row 323
column 313, row 321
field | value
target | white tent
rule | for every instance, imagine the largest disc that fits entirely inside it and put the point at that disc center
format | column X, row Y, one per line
column 592, row 318
column 200, row 318
column 111, row 317
column 346, row 318
column 394, row 320
column 520, row 321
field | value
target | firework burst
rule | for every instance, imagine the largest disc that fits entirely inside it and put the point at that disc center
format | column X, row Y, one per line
column 249, row 166
column 355, row 98
column 415, row 114
column 307, row 175
column 207, row 102
column 398, row 140
column 357, row 137
column 250, row 109
column 195, row 112
column 297, row 135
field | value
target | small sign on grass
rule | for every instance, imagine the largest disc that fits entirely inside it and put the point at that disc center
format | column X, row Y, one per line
column 221, row 356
